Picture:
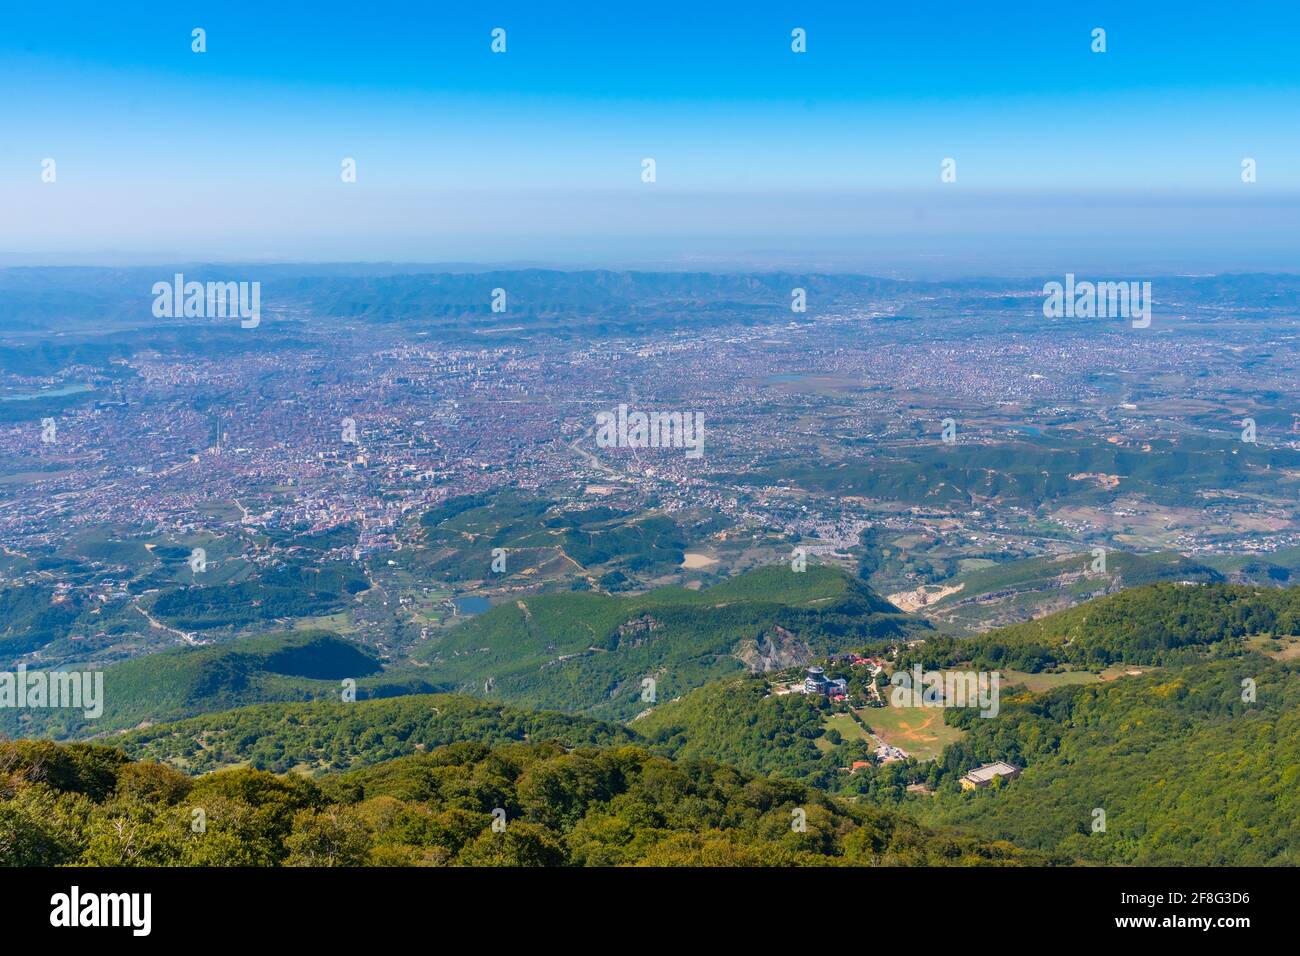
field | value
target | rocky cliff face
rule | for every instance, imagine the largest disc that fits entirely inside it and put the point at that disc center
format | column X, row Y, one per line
column 773, row 651
column 637, row 632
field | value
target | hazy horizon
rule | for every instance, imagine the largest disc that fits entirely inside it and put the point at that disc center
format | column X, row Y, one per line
column 1128, row 160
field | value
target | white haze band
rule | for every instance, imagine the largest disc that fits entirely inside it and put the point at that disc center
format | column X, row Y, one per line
column 624, row 429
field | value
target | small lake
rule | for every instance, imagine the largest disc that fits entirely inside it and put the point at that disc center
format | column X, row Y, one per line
column 471, row 604
column 48, row 393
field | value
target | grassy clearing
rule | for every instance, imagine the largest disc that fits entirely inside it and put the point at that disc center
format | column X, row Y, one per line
column 1038, row 683
column 918, row 730
column 849, row 728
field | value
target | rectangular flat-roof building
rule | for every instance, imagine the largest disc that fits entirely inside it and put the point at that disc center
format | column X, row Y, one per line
column 983, row 775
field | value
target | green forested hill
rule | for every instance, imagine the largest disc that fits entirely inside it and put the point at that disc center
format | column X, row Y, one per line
column 321, row 735
column 32, row 616
column 297, row 665
column 735, row 721
column 1186, row 771
column 572, row 651
column 461, row 533
column 1169, row 472
column 295, row 590
column 84, row 599
column 1155, row 624
column 616, row 806
column 590, row 652
column 980, row 598
column 1045, row 574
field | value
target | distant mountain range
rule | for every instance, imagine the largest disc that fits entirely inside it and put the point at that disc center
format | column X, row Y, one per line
column 460, row 299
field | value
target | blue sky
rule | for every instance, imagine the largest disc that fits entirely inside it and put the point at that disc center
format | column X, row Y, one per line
column 536, row 154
